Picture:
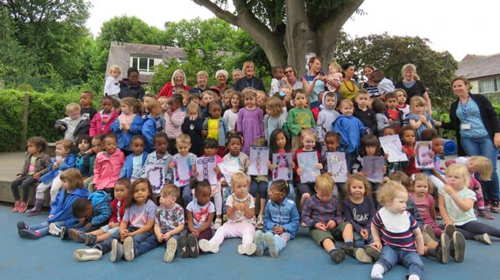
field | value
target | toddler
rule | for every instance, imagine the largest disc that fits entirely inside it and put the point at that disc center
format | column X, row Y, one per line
column 159, row 157
column 108, row 165
column 86, row 99
column 82, row 162
column 250, row 120
column 128, row 124
column 363, row 112
column 132, row 168
column 418, row 118
column 275, row 118
column 326, row 116
column 152, row 124
column 300, row 117
column 112, row 85
column 216, row 127
column 174, row 118
column 183, row 143
column 402, row 106
column 394, row 115
column 231, row 113
column 192, row 126
column 74, row 123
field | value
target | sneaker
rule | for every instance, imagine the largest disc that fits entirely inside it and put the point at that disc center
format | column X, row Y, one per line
column 259, row 243
column 77, row 235
column 192, row 245
column 485, row 214
column 361, row 255
column 83, row 255
column 183, row 247
column 449, row 230
column 271, row 244
column 485, row 238
column 458, row 252
column 348, row 248
column 208, row 247
column 443, row 249
column 16, row 206
column 254, row 221
column 29, row 234
column 248, row 249
column 64, row 233
column 54, row 230
column 217, row 224
column 337, row 256
column 260, row 222
column 116, row 253
column 23, row 206
column 430, row 231
column 90, row 239
column 128, row 248
column 495, row 206
column 372, row 252
column 21, row 225
column 169, row 252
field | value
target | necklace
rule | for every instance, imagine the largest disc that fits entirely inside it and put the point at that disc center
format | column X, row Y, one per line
column 347, row 87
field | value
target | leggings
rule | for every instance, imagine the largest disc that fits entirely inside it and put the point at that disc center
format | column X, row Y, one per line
column 41, row 188
column 25, row 183
column 245, row 231
column 216, row 194
column 473, row 228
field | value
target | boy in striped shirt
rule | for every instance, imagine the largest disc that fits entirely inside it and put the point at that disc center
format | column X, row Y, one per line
column 393, row 226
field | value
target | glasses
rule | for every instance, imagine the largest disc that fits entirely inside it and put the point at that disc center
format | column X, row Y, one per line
column 271, row 192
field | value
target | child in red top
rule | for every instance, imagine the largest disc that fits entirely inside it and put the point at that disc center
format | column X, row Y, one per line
column 393, row 113
column 408, row 136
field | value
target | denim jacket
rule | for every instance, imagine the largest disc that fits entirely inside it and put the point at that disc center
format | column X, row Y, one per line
column 284, row 215
column 223, row 130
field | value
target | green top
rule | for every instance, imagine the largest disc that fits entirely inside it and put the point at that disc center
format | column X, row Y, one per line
column 299, row 119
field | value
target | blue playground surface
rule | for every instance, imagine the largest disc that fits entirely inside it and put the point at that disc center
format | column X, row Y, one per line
column 51, row 258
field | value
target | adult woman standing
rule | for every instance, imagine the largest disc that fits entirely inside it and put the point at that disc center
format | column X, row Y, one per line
column 314, row 83
column 249, row 79
column 178, row 82
column 413, row 86
column 201, row 80
column 370, row 85
column 222, row 77
column 478, row 132
column 349, row 87
column 291, row 78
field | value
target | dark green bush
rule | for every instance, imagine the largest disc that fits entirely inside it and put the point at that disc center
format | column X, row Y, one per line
column 11, row 114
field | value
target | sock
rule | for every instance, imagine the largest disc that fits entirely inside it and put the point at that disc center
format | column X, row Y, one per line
column 413, row 277
column 333, row 249
column 218, row 203
column 378, row 271
column 37, row 232
column 348, row 241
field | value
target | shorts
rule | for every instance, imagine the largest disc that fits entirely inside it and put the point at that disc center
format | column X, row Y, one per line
column 335, row 234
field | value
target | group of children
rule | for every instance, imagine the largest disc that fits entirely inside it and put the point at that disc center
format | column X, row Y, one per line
column 101, row 194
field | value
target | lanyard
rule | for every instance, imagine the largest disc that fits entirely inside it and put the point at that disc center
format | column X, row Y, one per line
column 246, row 81
column 464, row 108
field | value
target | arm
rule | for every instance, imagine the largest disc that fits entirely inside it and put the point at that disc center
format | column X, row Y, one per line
column 425, row 95
column 419, row 240
column 463, row 204
column 148, row 131
column 239, row 121
column 249, row 212
column 103, row 215
column 442, row 210
column 113, row 218
column 307, row 213
column 115, row 127
column 231, row 212
column 93, row 125
column 349, row 218
column 177, row 119
column 377, row 242
column 415, row 124
column 204, row 130
column 292, row 125
column 293, row 225
column 208, row 223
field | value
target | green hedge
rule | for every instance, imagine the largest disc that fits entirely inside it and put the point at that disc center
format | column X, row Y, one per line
column 44, row 110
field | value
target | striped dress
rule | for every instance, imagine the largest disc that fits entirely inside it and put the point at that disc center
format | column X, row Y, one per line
column 396, row 230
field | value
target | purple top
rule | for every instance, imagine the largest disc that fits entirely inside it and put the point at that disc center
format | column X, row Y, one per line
column 251, row 124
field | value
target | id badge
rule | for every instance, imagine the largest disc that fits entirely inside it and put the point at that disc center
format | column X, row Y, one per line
column 465, row 126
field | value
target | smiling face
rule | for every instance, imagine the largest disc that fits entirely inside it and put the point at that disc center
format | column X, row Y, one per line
column 368, row 71
column 183, row 148
column 331, row 144
column 289, row 73
column 179, row 79
column 398, row 203
column 237, row 75
column 250, row 71
column 346, row 110
column 315, row 67
column 357, row 189
column 308, row 143
column 235, row 101
column 127, row 110
column 141, row 193
column 460, row 88
column 133, row 78
column 408, row 75
column 250, row 101
column 202, row 81
column 261, row 98
column 61, row 150
column 221, row 79
column 137, row 146
column 349, row 73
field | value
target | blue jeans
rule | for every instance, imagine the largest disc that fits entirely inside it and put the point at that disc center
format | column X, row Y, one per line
column 484, row 147
column 291, row 195
column 43, row 228
column 411, row 260
column 149, row 244
column 359, row 242
column 258, row 187
column 105, row 246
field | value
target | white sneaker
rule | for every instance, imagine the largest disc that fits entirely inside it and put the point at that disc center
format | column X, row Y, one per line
column 217, row 224
column 54, row 230
column 83, row 255
column 248, row 249
column 171, row 250
column 208, row 247
column 128, row 249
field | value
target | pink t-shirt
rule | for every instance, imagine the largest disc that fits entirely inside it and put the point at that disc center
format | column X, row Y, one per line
column 424, row 207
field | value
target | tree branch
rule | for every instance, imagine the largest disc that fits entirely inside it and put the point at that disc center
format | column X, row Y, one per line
column 220, row 13
column 339, row 16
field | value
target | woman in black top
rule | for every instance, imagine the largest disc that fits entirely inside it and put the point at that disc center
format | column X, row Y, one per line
column 249, row 79
column 131, row 86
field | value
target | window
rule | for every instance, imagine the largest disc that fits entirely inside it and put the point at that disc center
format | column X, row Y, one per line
column 144, row 64
column 486, row 85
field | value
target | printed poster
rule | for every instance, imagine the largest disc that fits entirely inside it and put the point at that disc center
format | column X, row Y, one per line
column 307, row 162
column 424, row 155
column 282, row 167
column 337, row 166
column 157, row 175
column 392, row 146
column 205, row 167
column 183, row 171
column 228, row 168
column 258, row 160
column 373, row 168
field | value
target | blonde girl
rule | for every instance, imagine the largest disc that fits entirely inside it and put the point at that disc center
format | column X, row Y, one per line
column 240, row 211
column 359, row 210
column 334, row 78
column 250, row 120
column 418, row 118
column 128, row 124
column 61, row 208
column 456, row 203
column 412, row 85
column 275, row 118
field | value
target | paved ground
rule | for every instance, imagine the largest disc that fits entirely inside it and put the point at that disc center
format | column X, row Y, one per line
column 51, row 258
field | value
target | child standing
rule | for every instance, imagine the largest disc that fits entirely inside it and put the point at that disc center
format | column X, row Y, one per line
column 169, row 223
column 258, row 184
column 275, row 118
column 394, row 115
column 250, row 120
column 418, row 118
column 398, row 231
column 402, row 106
column 135, row 227
column 60, row 210
column 456, row 203
column 216, row 127
column 108, row 165
column 152, row 124
column 192, row 126
column 102, row 121
column 132, row 168
column 183, row 143
column 326, row 116
column 240, row 210
column 174, row 117
column 363, row 112
column 277, row 80
column 351, row 129
column 322, row 215
column 35, row 166
column 299, row 118
column 86, row 99
column 200, row 213
column 63, row 160
column 74, row 123
column 231, row 114
column 82, row 162
column 210, row 147
column 281, row 221
column 382, row 120
column 159, row 156
column 112, row 85
column 407, row 135
column 128, row 124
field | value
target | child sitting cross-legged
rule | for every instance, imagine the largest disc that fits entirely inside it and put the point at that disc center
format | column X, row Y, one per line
column 322, row 215
column 281, row 221
column 121, row 190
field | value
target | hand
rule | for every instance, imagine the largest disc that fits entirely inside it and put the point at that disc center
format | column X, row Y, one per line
column 192, row 118
column 81, row 221
column 386, row 155
column 171, row 165
column 377, row 245
column 364, row 234
column 278, row 230
column 299, row 171
column 217, row 170
column 127, row 127
column 384, row 169
column 391, row 121
column 19, row 176
column 423, row 118
column 438, row 123
column 270, row 165
column 318, row 77
column 331, row 225
column 447, row 222
column 112, row 224
column 319, row 166
column 368, row 131
column 449, row 190
column 36, row 176
column 320, row 226
column 50, row 216
column 196, row 233
column 167, row 236
column 159, row 238
column 223, row 182
column 121, row 127
column 63, row 127
column 496, row 140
